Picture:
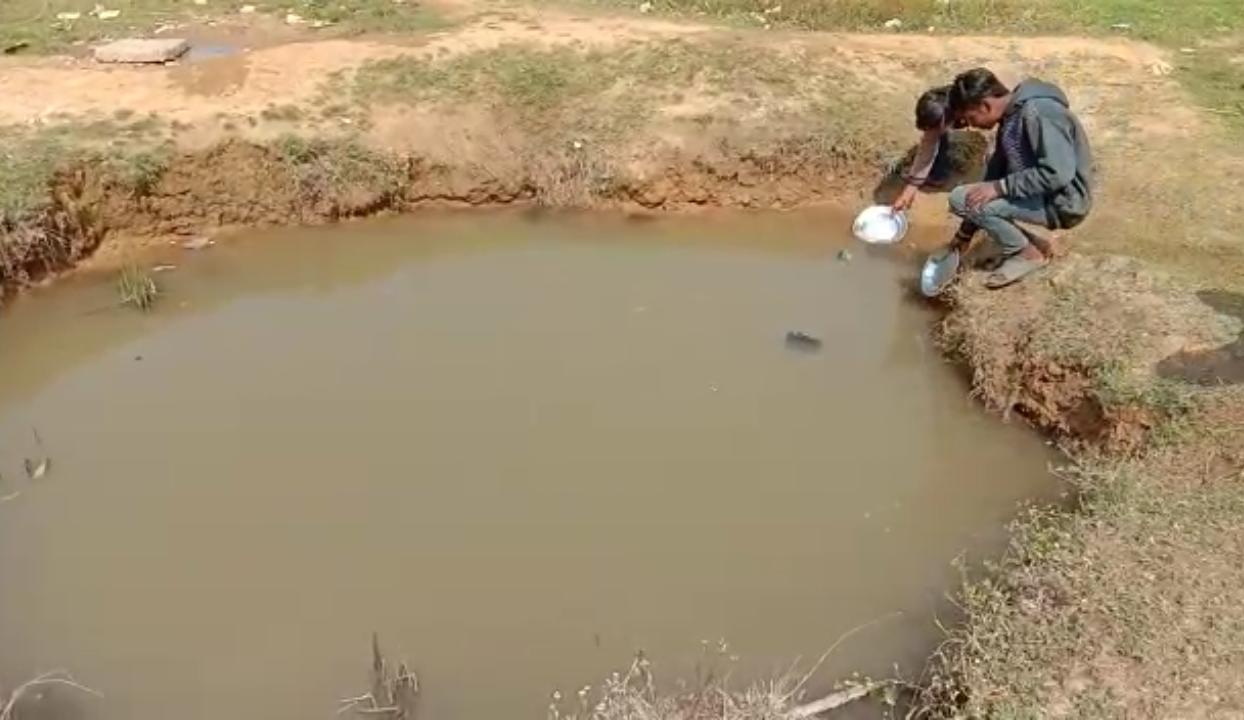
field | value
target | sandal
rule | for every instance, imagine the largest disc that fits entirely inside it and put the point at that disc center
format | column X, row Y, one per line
column 1014, row 269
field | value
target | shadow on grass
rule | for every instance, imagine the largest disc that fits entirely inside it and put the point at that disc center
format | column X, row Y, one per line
column 1218, row 366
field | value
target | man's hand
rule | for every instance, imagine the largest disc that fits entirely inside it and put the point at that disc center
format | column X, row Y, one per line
column 905, row 199
column 981, row 194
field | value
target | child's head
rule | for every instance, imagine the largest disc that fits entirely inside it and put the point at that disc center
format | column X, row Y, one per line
column 933, row 109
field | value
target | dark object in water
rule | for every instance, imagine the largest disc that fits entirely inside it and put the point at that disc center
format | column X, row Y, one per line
column 802, row 341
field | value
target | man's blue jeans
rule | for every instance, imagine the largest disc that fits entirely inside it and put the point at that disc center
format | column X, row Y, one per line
column 998, row 217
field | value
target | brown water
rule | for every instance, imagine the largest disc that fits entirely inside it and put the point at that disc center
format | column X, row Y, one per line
column 518, row 447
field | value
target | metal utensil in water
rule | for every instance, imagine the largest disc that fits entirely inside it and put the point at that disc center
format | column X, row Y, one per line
column 880, row 225
column 939, row 270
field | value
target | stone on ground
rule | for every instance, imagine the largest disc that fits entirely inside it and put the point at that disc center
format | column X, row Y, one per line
column 140, row 50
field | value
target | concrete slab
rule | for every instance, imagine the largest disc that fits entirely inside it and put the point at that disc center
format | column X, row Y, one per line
column 142, row 50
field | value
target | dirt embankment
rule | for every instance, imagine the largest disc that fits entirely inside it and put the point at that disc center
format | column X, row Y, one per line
column 521, row 105
column 1130, row 606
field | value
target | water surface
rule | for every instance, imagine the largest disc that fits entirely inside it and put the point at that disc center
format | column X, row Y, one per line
column 519, row 447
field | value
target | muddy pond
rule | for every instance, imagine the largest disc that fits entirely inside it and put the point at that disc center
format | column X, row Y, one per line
column 519, row 446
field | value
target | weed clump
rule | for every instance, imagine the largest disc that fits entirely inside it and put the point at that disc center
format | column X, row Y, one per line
column 136, row 288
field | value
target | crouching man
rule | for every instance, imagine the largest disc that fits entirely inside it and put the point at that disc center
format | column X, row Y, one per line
column 1040, row 173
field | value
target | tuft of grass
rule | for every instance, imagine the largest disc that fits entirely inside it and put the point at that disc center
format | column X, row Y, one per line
column 282, row 113
column 27, row 163
column 141, row 170
column 137, row 288
column 334, row 171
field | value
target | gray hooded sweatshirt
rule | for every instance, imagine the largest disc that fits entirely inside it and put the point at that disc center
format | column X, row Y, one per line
column 1043, row 151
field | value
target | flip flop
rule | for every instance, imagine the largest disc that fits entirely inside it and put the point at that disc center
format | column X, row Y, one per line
column 1016, row 268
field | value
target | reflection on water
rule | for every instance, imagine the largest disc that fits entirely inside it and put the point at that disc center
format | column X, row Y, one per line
column 519, row 447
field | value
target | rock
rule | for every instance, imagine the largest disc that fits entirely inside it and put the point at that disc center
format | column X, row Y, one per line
column 645, row 7
column 142, row 50
column 894, row 24
column 293, row 19
column 799, row 340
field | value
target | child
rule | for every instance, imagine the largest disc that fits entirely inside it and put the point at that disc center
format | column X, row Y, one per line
column 933, row 120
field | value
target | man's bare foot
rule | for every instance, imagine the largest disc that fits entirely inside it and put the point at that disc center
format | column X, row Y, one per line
column 1049, row 242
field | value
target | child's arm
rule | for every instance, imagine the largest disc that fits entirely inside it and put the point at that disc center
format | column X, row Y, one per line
column 921, row 166
column 926, row 154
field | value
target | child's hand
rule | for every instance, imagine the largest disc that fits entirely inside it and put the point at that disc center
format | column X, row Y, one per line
column 905, row 199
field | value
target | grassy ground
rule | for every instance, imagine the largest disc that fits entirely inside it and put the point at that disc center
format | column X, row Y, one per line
column 1213, row 28
column 1131, row 606
column 52, row 25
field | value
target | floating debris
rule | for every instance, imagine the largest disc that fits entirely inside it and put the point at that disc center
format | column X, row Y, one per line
column 800, row 340
column 36, row 471
column 68, row 16
column 293, row 19
column 198, row 243
column 246, row 9
column 893, row 24
column 844, row 255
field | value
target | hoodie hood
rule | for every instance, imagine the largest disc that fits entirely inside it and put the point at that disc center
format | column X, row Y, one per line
column 1035, row 90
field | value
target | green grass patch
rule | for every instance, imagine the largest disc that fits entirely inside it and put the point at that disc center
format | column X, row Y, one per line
column 329, row 169
column 1214, row 29
column 1147, row 19
column 601, row 89
column 136, row 150
column 52, row 25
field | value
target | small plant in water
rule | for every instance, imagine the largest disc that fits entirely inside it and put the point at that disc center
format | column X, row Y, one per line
column 137, row 288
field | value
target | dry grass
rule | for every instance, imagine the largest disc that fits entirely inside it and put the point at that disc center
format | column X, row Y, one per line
column 341, row 177
column 36, row 690
column 1129, row 607
column 137, row 288
column 1076, row 349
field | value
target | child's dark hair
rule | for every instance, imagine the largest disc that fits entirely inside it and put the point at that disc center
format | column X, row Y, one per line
column 933, row 109
column 973, row 87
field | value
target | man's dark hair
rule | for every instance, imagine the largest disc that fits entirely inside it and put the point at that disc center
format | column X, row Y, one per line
column 971, row 88
column 933, row 109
